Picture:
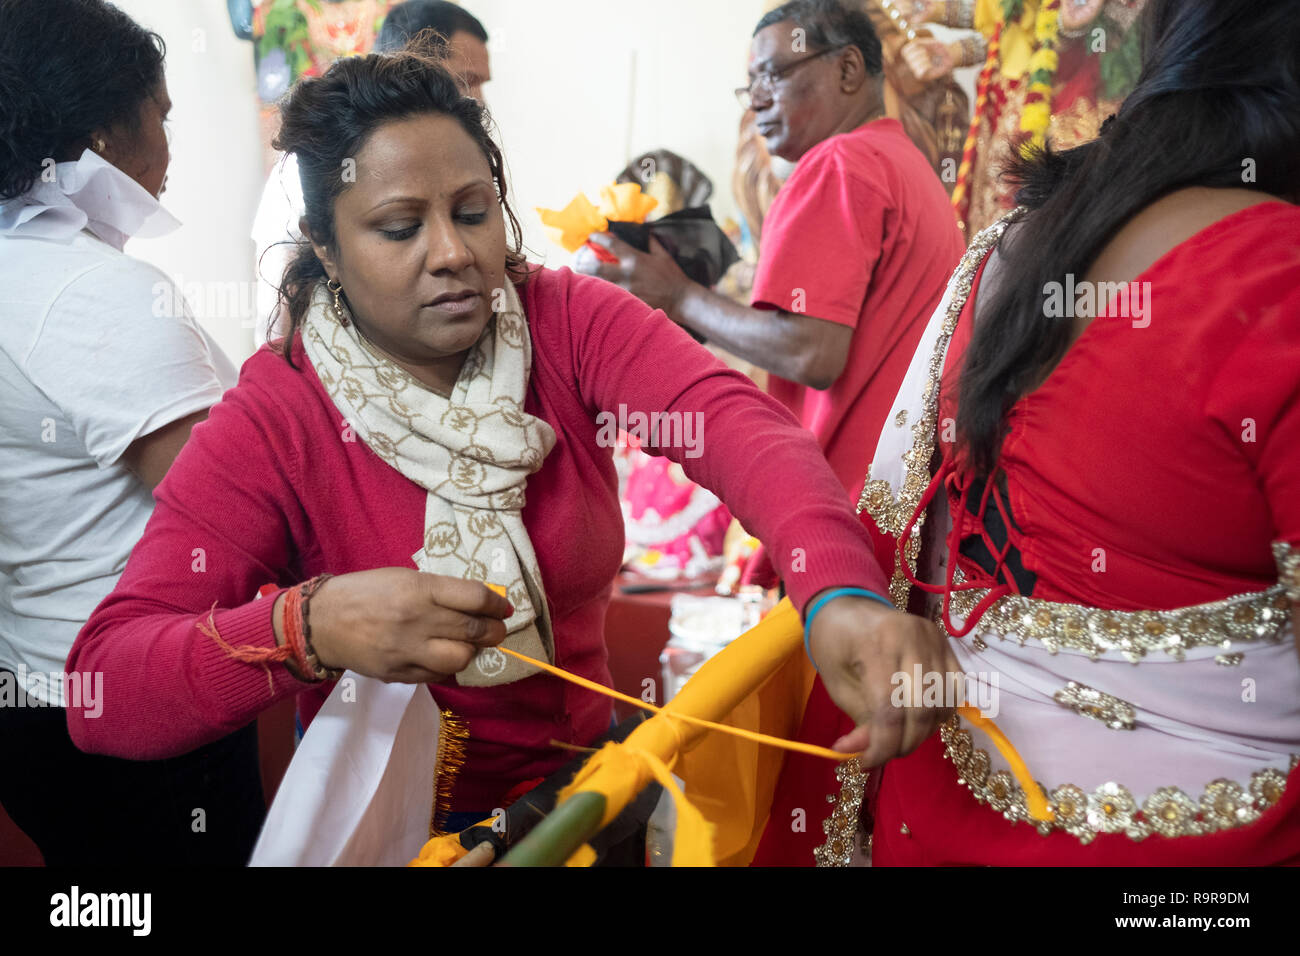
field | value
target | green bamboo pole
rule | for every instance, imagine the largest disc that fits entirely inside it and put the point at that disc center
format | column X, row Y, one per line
column 558, row 837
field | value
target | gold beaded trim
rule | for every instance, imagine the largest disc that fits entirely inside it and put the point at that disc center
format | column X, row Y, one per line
column 1116, row 713
column 1288, row 569
column 1111, row 808
column 877, row 499
column 841, row 827
column 1257, row 616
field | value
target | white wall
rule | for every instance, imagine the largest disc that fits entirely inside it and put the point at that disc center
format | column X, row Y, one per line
column 215, row 177
column 564, row 72
column 579, row 87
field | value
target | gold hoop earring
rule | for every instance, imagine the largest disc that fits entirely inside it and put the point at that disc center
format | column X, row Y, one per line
column 99, row 146
column 336, row 287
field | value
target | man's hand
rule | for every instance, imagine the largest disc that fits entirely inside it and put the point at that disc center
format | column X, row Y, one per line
column 799, row 347
column 859, row 645
column 653, row 277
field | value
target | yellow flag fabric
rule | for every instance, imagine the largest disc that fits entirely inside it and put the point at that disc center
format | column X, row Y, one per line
column 620, row 772
column 440, row 851
column 758, row 683
column 731, row 779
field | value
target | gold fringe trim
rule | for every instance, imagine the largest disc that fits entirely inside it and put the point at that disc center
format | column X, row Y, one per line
column 453, row 734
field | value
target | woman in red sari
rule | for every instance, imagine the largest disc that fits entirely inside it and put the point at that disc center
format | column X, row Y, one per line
column 1110, row 531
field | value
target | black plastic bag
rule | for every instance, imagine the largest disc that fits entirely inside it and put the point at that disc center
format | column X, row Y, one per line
column 692, row 238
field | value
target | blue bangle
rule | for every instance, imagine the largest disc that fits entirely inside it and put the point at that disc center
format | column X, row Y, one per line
column 828, row 596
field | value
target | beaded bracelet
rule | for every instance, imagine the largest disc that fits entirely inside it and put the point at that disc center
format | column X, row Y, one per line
column 317, row 669
column 959, row 14
column 297, row 631
column 974, row 50
column 830, row 595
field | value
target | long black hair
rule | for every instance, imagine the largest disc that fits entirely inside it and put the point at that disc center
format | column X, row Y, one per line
column 1217, row 104
column 67, row 68
column 327, row 119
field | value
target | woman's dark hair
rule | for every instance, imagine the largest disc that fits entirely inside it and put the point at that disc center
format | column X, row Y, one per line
column 328, row 119
column 67, row 68
column 1217, row 104
column 830, row 24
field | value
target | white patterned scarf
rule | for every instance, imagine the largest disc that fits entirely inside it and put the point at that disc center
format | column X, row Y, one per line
column 472, row 452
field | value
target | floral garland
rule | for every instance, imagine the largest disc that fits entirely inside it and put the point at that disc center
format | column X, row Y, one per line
column 960, row 192
column 1036, row 114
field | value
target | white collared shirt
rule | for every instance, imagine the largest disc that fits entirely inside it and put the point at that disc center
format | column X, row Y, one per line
column 97, row 349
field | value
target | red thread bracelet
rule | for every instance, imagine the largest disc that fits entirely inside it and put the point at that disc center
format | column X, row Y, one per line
column 293, row 632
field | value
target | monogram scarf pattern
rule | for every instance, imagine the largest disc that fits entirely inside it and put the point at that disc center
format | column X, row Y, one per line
column 472, row 452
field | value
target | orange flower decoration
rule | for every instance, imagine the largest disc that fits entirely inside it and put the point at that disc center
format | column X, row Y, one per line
column 571, row 225
column 574, row 224
column 625, row 202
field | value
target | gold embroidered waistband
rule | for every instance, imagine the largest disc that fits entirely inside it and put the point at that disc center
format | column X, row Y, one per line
column 1112, row 808
column 1256, row 616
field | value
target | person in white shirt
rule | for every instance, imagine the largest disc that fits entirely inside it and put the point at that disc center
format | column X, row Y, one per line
column 103, row 372
column 462, row 41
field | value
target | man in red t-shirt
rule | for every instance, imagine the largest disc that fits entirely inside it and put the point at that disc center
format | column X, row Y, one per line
column 857, row 247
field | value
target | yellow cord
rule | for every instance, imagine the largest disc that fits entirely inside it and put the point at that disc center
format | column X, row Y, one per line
column 1035, row 799
column 687, row 718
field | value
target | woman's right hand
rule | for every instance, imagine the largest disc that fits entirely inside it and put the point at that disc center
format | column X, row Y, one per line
column 401, row 625
column 929, row 59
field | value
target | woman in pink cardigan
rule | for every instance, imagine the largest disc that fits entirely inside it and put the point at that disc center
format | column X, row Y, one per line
column 427, row 376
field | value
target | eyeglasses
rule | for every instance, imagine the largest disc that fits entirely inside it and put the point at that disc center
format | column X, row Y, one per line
column 767, row 81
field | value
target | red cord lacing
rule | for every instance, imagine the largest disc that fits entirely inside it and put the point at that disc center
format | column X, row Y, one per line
column 1000, row 582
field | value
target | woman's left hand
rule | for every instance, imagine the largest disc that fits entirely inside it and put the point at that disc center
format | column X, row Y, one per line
column 859, row 645
column 653, row 277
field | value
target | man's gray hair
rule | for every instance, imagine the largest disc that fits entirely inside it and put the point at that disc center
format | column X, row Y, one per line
column 828, row 25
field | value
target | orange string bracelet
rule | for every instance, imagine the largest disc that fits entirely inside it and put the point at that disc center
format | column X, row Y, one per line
column 247, row 653
column 293, row 631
